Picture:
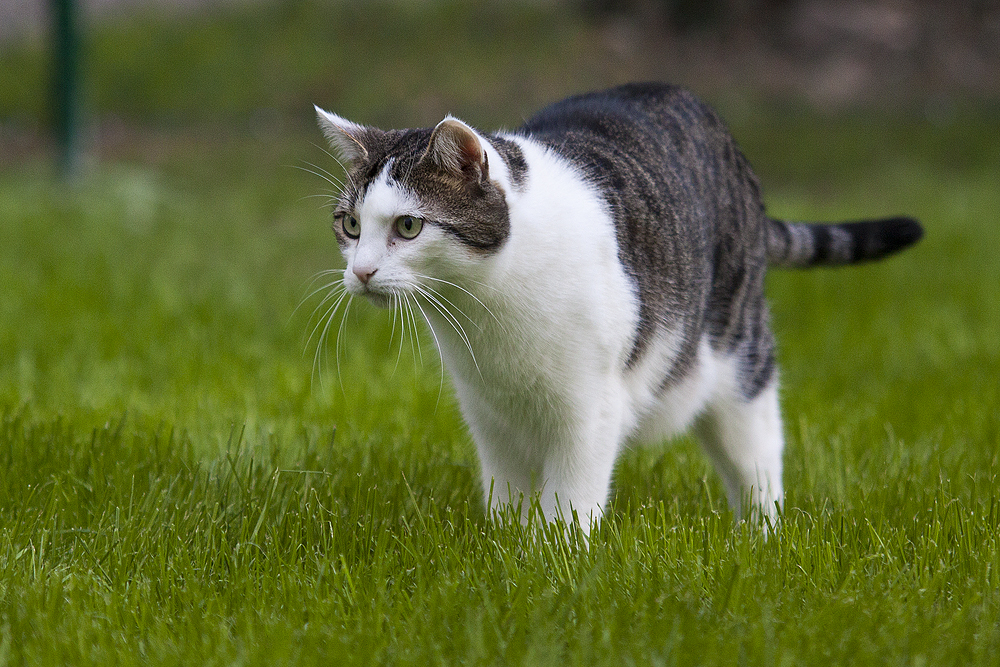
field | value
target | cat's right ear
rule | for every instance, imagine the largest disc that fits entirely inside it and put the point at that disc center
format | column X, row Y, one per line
column 344, row 136
column 456, row 148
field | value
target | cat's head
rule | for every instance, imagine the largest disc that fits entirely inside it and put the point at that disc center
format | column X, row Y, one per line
column 417, row 205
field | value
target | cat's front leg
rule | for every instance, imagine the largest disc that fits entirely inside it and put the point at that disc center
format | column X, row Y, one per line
column 508, row 481
column 567, row 467
column 577, row 481
column 565, row 487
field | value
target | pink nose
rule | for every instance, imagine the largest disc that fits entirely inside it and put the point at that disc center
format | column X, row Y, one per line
column 364, row 274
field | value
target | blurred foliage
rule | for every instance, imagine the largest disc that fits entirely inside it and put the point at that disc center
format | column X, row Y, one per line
column 258, row 68
column 687, row 15
column 398, row 60
column 389, row 62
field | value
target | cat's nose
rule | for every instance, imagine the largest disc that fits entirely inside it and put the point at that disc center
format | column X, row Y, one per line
column 364, row 274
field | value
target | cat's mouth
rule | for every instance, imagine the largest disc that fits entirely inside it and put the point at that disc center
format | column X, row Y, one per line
column 380, row 296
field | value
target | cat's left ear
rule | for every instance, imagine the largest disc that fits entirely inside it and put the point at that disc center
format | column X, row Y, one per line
column 344, row 136
column 456, row 148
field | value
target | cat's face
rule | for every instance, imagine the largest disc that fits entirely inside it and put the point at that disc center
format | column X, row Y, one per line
column 418, row 207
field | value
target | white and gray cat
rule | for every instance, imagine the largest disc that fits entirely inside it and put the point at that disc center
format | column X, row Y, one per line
column 592, row 279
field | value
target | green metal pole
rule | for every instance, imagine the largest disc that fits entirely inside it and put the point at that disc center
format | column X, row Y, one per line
column 65, row 112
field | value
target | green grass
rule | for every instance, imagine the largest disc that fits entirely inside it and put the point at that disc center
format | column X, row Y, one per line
column 176, row 488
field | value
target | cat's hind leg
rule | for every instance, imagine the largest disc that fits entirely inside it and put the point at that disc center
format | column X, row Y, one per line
column 744, row 439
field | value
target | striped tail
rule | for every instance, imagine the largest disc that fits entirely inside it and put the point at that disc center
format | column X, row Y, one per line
column 799, row 245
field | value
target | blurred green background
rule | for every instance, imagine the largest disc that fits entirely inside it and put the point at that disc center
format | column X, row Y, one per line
column 256, row 66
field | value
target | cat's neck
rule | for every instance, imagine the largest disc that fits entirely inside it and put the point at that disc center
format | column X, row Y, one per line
column 558, row 273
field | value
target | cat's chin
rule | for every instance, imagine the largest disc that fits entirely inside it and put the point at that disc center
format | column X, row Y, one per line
column 379, row 300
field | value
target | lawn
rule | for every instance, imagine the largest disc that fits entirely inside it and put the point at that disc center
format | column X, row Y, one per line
column 187, row 478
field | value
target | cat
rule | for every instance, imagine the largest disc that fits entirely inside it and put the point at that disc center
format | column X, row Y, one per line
column 592, row 279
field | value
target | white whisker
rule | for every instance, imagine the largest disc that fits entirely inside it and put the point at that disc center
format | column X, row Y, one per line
column 334, row 287
column 334, row 294
column 340, row 337
column 331, row 156
column 323, row 174
column 318, row 354
column 397, row 310
column 438, row 345
column 413, row 332
column 328, row 176
column 392, row 303
column 328, row 320
column 323, row 314
column 455, row 309
column 331, row 198
column 452, row 321
column 347, row 172
column 476, row 298
column 318, row 276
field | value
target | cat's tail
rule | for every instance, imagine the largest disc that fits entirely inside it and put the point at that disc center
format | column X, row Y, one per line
column 800, row 245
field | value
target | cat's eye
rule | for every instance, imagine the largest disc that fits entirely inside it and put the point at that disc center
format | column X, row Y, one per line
column 350, row 225
column 409, row 226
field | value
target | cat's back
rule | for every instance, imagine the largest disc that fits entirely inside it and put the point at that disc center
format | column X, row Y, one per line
column 629, row 101
column 649, row 121
column 675, row 184
column 664, row 162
